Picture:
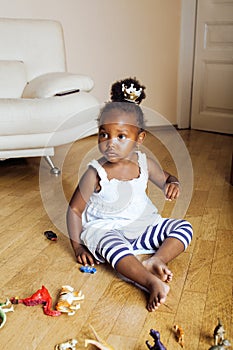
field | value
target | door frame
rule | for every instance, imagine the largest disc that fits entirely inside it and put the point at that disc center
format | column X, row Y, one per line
column 186, row 62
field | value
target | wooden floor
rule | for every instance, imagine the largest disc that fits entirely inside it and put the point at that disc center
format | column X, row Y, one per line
column 202, row 287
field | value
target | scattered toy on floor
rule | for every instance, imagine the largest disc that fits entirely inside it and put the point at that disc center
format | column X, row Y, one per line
column 222, row 346
column 67, row 297
column 4, row 308
column 70, row 344
column 42, row 297
column 220, row 343
column 88, row 269
column 99, row 343
column 219, row 333
column 157, row 343
column 179, row 335
column 51, row 235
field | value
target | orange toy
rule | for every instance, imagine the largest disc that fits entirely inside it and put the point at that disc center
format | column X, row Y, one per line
column 179, row 335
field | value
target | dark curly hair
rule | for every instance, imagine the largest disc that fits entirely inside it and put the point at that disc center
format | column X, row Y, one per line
column 118, row 101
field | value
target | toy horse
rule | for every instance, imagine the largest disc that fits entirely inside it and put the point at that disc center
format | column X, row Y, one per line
column 42, row 297
column 4, row 308
column 67, row 297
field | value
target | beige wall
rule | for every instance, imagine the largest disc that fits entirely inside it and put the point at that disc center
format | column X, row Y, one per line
column 111, row 40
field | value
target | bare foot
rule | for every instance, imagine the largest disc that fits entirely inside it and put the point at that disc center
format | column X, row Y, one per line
column 156, row 266
column 158, row 293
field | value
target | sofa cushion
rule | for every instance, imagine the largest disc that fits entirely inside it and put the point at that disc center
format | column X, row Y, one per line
column 52, row 84
column 12, row 79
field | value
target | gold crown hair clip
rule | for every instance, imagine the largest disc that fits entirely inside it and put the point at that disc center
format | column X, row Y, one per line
column 131, row 94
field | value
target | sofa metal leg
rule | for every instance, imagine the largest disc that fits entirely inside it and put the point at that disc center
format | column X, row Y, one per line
column 54, row 170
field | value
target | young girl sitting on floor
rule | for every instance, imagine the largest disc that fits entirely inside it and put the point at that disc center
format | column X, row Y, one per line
column 110, row 217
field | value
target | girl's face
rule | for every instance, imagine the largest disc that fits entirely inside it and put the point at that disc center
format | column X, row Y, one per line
column 118, row 135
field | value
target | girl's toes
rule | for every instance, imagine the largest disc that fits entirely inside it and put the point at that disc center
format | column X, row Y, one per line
column 169, row 278
column 153, row 306
column 153, row 303
column 168, row 275
column 162, row 299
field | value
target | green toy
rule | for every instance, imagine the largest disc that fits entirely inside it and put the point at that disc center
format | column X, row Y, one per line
column 4, row 308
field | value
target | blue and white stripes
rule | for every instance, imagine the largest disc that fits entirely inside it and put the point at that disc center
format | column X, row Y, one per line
column 114, row 246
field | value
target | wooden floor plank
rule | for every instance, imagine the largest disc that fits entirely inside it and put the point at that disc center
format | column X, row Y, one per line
column 226, row 217
column 223, row 257
column 209, row 224
column 200, row 267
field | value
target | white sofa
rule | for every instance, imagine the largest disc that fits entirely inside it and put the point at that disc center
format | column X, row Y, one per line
column 41, row 105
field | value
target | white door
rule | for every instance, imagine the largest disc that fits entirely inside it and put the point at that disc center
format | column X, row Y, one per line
column 212, row 99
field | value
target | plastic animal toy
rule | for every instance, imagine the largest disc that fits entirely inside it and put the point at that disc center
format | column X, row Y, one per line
column 157, row 343
column 67, row 297
column 51, row 235
column 221, row 346
column 4, row 308
column 42, row 297
column 219, row 332
column 179, row 335
column 88, row 269
column 70, row 344
column 99, row 343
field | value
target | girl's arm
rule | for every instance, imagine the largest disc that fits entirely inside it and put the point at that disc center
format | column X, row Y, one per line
column 167, row 182
column 76, row 207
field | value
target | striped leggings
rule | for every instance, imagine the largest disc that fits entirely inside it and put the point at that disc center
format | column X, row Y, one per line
column 114, row 246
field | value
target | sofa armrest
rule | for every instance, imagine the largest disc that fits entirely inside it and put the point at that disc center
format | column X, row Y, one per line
column 59, row 83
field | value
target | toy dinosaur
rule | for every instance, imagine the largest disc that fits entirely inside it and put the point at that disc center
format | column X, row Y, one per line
column 67, row 297
column 99, row 343
column 42, row 297
column 4, row 308
column 157, row 343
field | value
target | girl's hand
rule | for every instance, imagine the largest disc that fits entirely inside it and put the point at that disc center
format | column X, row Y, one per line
column 84, row 257
column 172, row 191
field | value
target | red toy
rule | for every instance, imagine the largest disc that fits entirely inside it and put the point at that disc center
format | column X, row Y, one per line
column 43, row 297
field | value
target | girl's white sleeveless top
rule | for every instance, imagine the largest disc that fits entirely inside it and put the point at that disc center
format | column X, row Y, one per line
column 119, row 205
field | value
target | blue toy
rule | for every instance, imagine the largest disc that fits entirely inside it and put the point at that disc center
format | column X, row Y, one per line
column 88, row 269
column 157, row 343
